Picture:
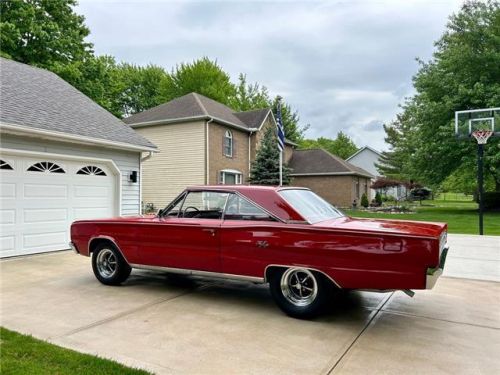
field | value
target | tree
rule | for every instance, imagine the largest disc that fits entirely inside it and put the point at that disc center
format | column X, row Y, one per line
column 203, row 76
column 464, row 73
column 265, row 168
column 378, row 199
column 43, row 32
column 141, row 88
column 342, row 146
column 249, row 96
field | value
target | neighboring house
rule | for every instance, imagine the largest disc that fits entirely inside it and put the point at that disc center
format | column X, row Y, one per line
column 334, row 179
column 201, row 142
column 63, row 157
column 367, row 158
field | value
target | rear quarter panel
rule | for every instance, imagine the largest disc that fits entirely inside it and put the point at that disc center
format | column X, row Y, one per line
column 352, row 260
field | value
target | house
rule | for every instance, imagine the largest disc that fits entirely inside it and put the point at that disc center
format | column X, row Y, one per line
column 63, row 157
column 336, row 180
column 201, row 142
column 367, row 158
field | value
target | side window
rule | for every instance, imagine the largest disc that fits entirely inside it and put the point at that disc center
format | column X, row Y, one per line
column 239, row 208
column 204, row 205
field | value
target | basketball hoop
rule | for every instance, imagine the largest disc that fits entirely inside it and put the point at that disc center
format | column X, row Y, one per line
column 482, row 136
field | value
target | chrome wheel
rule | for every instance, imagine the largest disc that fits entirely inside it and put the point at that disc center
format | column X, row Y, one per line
column 106, row 263
column 299, row 286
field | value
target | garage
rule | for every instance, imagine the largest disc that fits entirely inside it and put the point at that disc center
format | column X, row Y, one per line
column 62, row 158
column 41, row 196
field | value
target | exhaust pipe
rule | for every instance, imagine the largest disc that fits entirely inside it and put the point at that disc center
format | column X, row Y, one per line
column 408, row 292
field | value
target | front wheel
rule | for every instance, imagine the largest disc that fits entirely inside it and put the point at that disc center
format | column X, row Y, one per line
column 299, row 292
column 108, row 265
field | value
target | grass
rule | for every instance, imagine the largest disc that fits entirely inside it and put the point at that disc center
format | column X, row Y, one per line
column 461, row 216
column 22, row 354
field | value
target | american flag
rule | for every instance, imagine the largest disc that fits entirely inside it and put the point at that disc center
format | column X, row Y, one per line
column 281, row 129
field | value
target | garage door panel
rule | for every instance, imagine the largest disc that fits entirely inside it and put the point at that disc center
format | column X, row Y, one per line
column 45, row 191
column 7, row 190
column 42, row 215
column 37, row 208
column 44, row 240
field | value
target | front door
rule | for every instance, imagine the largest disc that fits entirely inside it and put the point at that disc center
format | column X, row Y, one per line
column 188, row 236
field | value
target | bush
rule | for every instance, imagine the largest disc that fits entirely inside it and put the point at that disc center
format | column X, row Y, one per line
column 378, row 198
column 364, row 201
column 491, row 200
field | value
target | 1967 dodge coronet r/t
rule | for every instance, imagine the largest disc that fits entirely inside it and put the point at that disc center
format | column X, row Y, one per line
column 287, row 237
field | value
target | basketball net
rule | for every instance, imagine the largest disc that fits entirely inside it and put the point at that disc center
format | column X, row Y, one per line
column 482, row 136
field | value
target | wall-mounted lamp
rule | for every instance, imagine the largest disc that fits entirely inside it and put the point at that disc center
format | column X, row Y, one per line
column 132, row 176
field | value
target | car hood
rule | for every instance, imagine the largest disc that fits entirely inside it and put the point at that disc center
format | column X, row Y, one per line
column 398, row 227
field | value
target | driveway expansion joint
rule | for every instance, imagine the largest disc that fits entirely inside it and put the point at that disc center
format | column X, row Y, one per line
column 370, row 321
column 129, row 312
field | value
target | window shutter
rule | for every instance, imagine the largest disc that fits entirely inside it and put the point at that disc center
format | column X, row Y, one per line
column 223, row 145
column 234, row 148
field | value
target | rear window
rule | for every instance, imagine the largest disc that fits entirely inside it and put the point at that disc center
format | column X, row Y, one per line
column 310, row 206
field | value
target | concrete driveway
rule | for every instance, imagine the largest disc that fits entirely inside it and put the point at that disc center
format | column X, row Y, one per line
column 204, row 326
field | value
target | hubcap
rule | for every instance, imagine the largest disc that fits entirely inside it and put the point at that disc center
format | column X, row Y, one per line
column 299, row 286
column 106, row 263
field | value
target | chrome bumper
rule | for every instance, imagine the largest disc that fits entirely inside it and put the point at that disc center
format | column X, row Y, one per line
column 434, row 273
column 73, row 247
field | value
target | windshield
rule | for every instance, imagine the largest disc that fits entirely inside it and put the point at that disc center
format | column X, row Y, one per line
column 309, row 205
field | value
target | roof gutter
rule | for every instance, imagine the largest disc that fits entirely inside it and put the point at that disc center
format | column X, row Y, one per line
column 187, row 119
column 74, row 138
column 330, row 174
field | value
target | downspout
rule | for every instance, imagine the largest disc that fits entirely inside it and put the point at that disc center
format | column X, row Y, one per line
column 207, row 163
column 249, row 148
column 143, row 159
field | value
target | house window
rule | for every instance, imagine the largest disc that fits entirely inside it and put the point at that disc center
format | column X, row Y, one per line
column 228, row 144
column 91, row 170
column 46, row 166
column 356, row 182
column 4, row 165
column 230, row 177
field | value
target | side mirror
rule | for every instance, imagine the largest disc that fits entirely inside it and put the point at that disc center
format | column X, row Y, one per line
column 160, row 212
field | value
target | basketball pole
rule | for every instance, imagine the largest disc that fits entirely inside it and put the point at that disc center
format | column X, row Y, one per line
column 480, row 155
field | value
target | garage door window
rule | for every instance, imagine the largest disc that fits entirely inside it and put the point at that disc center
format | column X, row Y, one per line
column 5, row 166
column 91, row 170
column 46, row 166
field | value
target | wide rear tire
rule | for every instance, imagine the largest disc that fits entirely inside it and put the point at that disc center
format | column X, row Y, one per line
column 108, row 265
column 299, row 292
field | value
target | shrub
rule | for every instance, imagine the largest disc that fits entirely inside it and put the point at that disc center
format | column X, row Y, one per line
column 364, row 201
column 378, row 198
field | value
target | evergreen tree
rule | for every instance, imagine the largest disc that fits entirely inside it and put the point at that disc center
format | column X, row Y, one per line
column 265, row 168
column 364, row 200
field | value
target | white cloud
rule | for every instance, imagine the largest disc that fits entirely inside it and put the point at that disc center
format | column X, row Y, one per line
column 345, row 65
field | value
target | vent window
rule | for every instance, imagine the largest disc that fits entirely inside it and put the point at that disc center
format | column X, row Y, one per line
column 46, row 166
column 91, row 170
column 5, row 166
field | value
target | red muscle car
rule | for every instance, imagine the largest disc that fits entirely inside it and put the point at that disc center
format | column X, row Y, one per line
column 286, row 236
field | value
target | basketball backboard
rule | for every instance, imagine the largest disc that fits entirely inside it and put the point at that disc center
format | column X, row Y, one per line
column 466, row 122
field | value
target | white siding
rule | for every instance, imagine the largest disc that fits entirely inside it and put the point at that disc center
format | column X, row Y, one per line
column 126, row 162
column 366, row 159
column 180, row 162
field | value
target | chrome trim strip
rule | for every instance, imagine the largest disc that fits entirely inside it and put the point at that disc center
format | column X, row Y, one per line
column 189, row 272
column 299, row 267
column 110, row 239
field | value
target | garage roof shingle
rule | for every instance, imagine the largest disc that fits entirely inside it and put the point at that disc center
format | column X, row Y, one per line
column 37, row 98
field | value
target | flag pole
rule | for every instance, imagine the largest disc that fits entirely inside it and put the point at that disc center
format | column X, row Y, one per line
column 281, row 168
column 281, row 138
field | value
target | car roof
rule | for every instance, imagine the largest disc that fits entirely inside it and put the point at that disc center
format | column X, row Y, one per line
column 266, row 197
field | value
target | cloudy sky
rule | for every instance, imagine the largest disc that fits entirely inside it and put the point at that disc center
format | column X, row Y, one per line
column 344, row 65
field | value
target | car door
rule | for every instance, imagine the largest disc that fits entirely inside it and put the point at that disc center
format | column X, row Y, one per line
column 250, row 238
column 188, row 236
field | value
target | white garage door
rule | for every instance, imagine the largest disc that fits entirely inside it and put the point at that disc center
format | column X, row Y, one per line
column 40, row 197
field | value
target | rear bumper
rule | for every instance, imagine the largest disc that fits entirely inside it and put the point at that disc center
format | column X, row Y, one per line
column 434, row 273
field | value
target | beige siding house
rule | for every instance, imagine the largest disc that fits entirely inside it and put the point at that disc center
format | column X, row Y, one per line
column 201, row 141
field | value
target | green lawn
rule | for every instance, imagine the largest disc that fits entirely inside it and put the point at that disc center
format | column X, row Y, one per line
column 21, row 354
column 461, row 216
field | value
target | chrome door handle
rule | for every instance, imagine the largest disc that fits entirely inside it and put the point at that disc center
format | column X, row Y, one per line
column 209, row 230
column 262, row 244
